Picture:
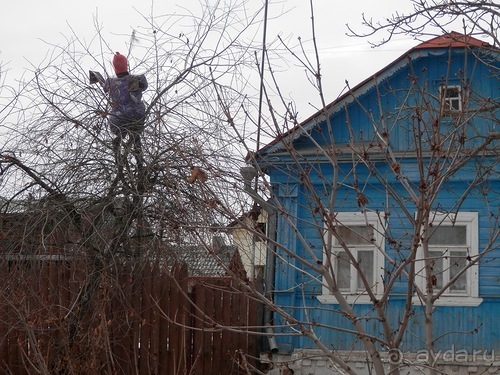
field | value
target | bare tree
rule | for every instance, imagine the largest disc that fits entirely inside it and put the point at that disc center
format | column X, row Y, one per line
column 60, row 182
column 66, row 200
column 477, row 18
column 332, row 173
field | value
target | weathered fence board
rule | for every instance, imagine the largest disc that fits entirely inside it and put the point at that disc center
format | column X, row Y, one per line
column 57, row 317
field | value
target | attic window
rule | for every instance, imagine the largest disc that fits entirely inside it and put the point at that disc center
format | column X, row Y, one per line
column 451, row 98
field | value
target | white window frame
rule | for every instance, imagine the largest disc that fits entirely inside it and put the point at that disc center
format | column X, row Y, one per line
column 353, row 296
column 447, row 101
column 449, row 298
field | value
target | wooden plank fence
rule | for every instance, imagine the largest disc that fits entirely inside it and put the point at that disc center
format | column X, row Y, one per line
column 56, row 317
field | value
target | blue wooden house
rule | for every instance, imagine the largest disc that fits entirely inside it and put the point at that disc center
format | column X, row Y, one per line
column 387, row 213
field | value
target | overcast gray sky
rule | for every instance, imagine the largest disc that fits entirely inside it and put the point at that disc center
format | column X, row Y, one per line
column 29, row 28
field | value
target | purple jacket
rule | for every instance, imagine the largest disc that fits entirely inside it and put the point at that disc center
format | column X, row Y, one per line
column 125, row 92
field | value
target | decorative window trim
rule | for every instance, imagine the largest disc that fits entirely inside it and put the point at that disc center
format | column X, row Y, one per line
column 360, row 297
column 451, row 104
column 452, row 301
column 471, row 295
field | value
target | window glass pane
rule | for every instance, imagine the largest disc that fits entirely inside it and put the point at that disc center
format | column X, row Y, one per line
column 451, row 92
column 454, row 104
column 343, row 271
column 365, row 259
column 356, row 234
column 437, row 268
column 260, row 236
column 457, row 263
column 448, row 235
column 451, row 97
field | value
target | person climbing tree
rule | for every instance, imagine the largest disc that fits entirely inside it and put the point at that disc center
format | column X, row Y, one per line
column 128, row 112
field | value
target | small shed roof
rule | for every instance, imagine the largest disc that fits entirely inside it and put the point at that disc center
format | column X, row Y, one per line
column 204, row 262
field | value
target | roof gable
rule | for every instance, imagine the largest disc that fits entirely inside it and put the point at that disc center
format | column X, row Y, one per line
column 445, row 41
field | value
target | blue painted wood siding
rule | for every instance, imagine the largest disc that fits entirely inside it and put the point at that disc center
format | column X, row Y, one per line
column 297, row 290
column 408, row 87
column 300, row 231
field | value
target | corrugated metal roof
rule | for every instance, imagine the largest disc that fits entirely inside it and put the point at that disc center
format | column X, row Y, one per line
column 202, row 261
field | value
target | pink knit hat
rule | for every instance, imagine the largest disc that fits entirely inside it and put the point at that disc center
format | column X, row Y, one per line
column 120, row 63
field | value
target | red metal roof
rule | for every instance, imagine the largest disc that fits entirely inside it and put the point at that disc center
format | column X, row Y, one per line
column 452, row 39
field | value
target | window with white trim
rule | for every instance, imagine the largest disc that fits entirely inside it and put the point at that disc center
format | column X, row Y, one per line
column 453, row 241
column 451, row 98
column 362, row 234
